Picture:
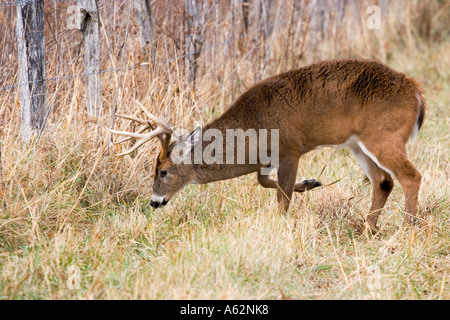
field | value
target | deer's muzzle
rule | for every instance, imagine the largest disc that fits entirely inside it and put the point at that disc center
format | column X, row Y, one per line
column 158, row 203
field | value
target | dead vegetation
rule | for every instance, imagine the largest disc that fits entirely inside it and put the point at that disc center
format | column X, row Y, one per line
column 76, row 222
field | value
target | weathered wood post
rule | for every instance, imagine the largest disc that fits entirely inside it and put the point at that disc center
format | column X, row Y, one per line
column 143, row 12
column 193, row 39
column 31, row 57
column 245, row 12
column 90, row 27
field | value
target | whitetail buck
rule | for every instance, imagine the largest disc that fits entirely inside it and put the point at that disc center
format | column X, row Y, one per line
column 360, row 104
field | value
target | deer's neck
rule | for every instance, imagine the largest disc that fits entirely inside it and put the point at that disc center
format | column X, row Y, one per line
column 221, row 169
column 206, row 173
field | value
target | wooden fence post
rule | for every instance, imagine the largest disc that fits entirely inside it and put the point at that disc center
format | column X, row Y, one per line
column 90, row 26
column 31, row 57
column 143, row 12
column 245, row 12
column 194, row 39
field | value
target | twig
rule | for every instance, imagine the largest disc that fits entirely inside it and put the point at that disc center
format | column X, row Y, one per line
column 2, row 188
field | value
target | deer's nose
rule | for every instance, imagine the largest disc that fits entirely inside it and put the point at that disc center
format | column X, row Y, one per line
column 154, row 204
column 157, row 204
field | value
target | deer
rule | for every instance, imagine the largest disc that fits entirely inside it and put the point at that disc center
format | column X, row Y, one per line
column 363, row 105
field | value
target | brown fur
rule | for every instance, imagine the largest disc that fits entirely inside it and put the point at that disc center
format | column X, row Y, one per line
column 321, row 105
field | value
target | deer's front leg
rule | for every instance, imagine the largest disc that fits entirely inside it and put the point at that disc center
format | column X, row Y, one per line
column 306, row 185
column 267, row 182
column 287, row 173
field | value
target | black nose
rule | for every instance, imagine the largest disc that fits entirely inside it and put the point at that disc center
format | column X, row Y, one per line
column 154, row 204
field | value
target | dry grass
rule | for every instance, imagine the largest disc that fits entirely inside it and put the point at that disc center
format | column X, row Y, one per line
column 76, row 222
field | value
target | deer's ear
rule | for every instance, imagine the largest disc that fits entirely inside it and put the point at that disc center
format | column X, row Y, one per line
column 183, row 148
column 194, row 137
column 180, row 134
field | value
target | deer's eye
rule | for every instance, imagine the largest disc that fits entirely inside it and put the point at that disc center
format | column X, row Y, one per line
column 163, row 173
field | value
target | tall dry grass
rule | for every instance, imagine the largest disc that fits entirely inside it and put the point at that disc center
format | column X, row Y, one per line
column 76, row 223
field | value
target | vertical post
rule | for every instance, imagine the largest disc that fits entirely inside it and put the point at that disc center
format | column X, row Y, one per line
column 245, row 10
column 214, row 50
column 31, row 56
column 194, row 39
column 232, row 44
column 90, row 26
column 289, row 33
column 270, row 38
column 232, row 35
column 266, row 31
column 143, row 12
column 261, row 18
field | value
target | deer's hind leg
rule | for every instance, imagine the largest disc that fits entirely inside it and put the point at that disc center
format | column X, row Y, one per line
column 392, row 158
column 382, row 185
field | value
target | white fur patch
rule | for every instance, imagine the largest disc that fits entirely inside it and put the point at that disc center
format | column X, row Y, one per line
column 415, row 131
column 358, row 147
column 347, row 144
column 374, row 159
column 157, row 198
column 360, row 156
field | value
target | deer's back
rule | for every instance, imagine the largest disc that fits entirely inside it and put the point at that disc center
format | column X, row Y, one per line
column 327, row 102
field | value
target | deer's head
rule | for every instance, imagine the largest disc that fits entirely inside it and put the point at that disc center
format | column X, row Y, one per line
column 169, row 177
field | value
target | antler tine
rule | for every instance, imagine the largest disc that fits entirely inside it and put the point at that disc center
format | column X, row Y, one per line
column 141, row 130
column 158, row 121
column 142, row 138
column 124, row 116
column 137, row 135
column 137, row 145
column 161, row 131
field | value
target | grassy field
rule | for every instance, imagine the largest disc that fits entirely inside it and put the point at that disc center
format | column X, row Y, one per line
column 76, row 221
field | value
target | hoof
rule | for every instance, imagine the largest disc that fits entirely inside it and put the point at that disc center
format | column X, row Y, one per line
column 307, row 185
column 370, row 229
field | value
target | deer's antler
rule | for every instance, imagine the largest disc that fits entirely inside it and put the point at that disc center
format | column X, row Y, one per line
column 160, row 128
